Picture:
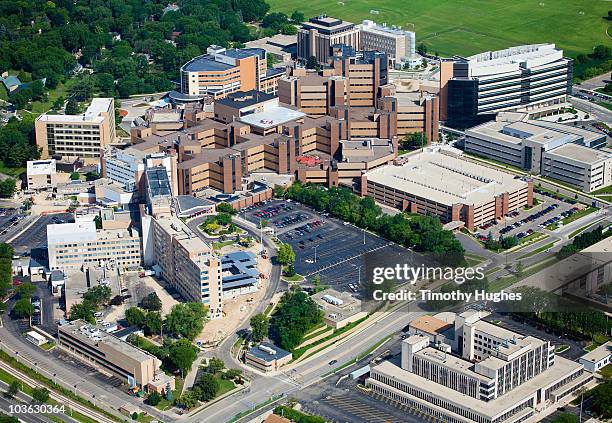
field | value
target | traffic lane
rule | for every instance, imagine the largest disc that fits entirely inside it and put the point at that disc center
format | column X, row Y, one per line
column 5, row 406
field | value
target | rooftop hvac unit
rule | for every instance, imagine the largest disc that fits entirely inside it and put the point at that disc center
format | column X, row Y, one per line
column 332, row 300
column 269, row 350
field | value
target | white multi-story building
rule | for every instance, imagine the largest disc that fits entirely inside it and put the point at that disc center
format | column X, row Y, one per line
column 474, row 88
column 554, row 150
column 396, row 42
column 73, row 245
column 127, row 167
column 41, row 174
column 474, row 371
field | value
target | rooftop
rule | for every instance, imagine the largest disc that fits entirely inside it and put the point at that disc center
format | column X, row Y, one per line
column 158, row 182
column 242, row 99
column 268, row 352
column 581, row 154
column 41, row 167
column 91, row 334
column 446, row 178
column 491, row 409
column 273, row 116
column 61, row 233
column 598, row 353
column 429, row 324
column 93, row 113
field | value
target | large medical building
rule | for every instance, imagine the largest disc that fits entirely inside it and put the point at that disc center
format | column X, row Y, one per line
column 224, row 71
column 443, row 183
column 562, row 152
column 462, row 369
column 319, row 34
column 81, row 135
column 526, row 77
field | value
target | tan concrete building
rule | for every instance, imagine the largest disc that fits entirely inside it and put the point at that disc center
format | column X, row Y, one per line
column 81, row 135
column 267, row 357
column 319, row 34
column 442, row 183
column 223, row 71
column 41, row 174
column 112, row 355
column 184, row 260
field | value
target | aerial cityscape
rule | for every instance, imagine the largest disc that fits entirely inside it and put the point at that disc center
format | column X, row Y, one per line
column 265, row 211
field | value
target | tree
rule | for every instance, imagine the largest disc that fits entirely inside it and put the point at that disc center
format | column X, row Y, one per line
column 13, row 389
column 152, row 323
column 7, row 188
column 232, row 374
column 154, row 398
column 23, row 308
column 188, row 400
column 260, row 324
column 151, row 302
column 208, row 386
column 26, row 290
column 135, row 316
column 75, row 176
column 182, row 354
column 98, row 295
column 169, row 396
column 312, row 63
column 186, row 320
column 422, row 49
column 215, row 365
column 92, row 176
column 413, row 141
column 72, row 107
column 226, row 208
column 296, row 314
column 40, row 394
column 285, row 255
column 84, row 311
column 602, row 402
column 297, row 17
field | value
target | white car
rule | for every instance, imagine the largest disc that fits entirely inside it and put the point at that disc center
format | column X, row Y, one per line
column 99, row 321
column 98, row 314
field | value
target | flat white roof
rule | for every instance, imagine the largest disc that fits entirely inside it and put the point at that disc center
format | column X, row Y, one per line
column 36, row 336
column 599, row 353
column 580, row 153
column 271, row 117
column 446, row 179
column 41, row 167
column 557, row 372
column 92, row 114
column 71, row 232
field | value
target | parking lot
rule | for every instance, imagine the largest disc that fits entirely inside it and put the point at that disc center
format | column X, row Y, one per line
column 36, row 235
column 337, row 251
column 525, row 222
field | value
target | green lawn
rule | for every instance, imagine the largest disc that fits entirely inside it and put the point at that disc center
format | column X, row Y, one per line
column 578, row 215
column 13, row 172
column 164, row 404
column 537, row 250
column 604, row 190
column 224, row 385
column 606, row 372
column 465, row 26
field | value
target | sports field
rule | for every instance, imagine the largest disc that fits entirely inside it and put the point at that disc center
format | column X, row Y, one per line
column 471, row 26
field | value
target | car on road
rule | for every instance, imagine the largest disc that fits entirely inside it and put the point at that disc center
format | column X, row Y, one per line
column 331, row 363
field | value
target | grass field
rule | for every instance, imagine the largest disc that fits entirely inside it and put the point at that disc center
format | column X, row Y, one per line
column 471, row 26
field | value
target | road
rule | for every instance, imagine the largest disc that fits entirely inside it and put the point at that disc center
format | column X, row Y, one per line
column 312, row 369
column 223, row 351
column 596, row 82
column 26, row 399
column 596, row 111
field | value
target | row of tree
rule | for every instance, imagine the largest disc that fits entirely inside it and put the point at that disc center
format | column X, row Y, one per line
column 423, row 233
column 583, row 241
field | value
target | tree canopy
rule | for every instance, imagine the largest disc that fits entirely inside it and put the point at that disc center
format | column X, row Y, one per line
column 186, row 320
column 296, row 314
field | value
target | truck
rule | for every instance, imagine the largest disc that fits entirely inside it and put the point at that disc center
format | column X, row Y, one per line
column 147, row 273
